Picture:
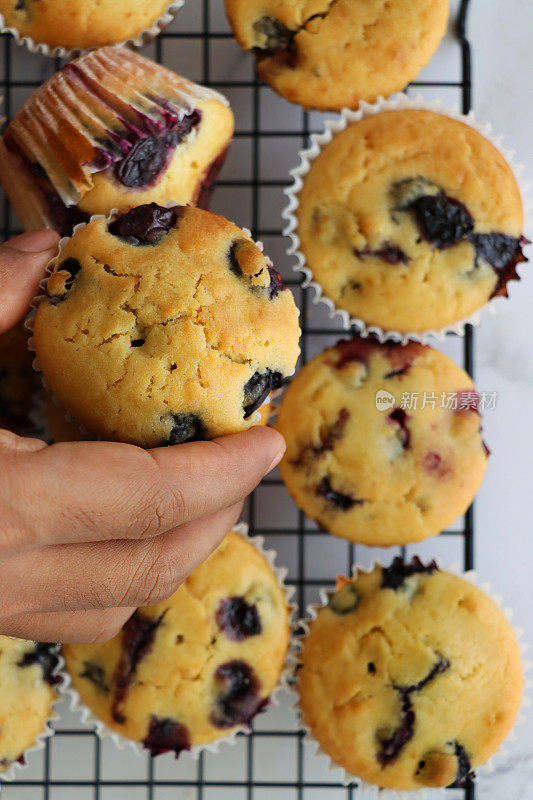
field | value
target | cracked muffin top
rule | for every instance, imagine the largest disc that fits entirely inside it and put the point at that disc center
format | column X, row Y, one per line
column 163, row 326
column 411, row 677
column 331, row 54
column 187, row 671
column 112, row 130
column 410, row 220
column 383, row 441
column 27, row 678
column 81, row 23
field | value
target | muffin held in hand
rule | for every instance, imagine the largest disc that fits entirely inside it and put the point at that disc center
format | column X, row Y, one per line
column 164, row 326
column 332, row 55
column 112, row 130
column 410, row 677
column 189, row 670
column 27, row 678
column 383, row 441
column 18, row 382
column 81, row 24
column 410, row 220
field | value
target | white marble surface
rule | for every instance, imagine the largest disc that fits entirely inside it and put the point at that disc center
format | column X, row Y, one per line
column 503, row 69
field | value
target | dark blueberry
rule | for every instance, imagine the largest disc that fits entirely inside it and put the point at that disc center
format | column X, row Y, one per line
column 371, row 667
column 19, row 5
column 399, row 417
column 209, row 179
column 137, row 342
column 238, row 701
column 238, row 619
column 329, row 436
column 344, row 599
column 144, row 225
column 276, row 283
column 137, row 639
column 441, row 220
column 464, row 767
column 72, row 266
column 258, row 388
column 186, row 428
column 278, row 36
column 45, row 655
column 96, row 675
column 340, row 501
column 395, row 575
column 234, row 265
column 503, row 253
column 148, row 157
column 392, row 744
column 388, row 252
column 166, row 735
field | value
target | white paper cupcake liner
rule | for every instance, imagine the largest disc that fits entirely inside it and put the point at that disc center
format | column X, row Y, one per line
column 318, row 140
column 139, row 40
column 28, row 324
column 104, row 732
column 14, row 770
column 370, row 790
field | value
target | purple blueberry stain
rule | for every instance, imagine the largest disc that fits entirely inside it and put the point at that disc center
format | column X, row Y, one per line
column 394, row 577
column 186, row 428
column 441, row 220
column 238, row 619
column 95, row 674
column 503, row 253
column 257, row 389
column 238, row 699
column 137, row 639
column 144, row 225
column 339, row 501
column 165, row 735
column 276, row 283
column 464, row 767
column 329, row 436
column 392, row 744
column 388, row 251
column 399, row 418
column 45, row 656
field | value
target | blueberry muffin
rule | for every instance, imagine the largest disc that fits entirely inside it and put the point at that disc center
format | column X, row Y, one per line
column 18, row 382
column 333, row 55
column 410, row 220
column 112, row 130
column 27, row 681
column 189, row 670
column 383, row 441
column 164, row 326
column 81, row 24
column 410, row 677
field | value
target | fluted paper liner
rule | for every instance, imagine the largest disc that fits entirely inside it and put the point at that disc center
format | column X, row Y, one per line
column 139, row 40
column 318, row 141
column 372, row 791
column 88, row 718
column 28, row 324
column 86, row 118
column 16, row 768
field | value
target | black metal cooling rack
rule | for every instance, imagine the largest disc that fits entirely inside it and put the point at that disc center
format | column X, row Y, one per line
column 272, row 763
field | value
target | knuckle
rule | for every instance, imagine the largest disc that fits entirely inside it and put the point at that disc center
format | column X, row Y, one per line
column 160, row 508
column 155, row 579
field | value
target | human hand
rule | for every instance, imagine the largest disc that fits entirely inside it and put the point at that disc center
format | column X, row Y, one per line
column 90, row 531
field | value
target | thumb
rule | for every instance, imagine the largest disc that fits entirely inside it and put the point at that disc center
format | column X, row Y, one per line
column 22, row 265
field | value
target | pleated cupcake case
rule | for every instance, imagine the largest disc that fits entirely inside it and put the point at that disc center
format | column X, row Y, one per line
column 371, row 791
column 16, row 768
column 336, row 125
column 104, row 732
column 141, row 39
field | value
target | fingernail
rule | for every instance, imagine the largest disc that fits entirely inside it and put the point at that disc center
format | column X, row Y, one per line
column 277, row 458
column 35, row 241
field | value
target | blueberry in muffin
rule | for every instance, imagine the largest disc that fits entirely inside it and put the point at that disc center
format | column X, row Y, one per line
column 410, row 221
column 112, row 130
column 193, row 668
column 148, row 335
column 410, row 677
